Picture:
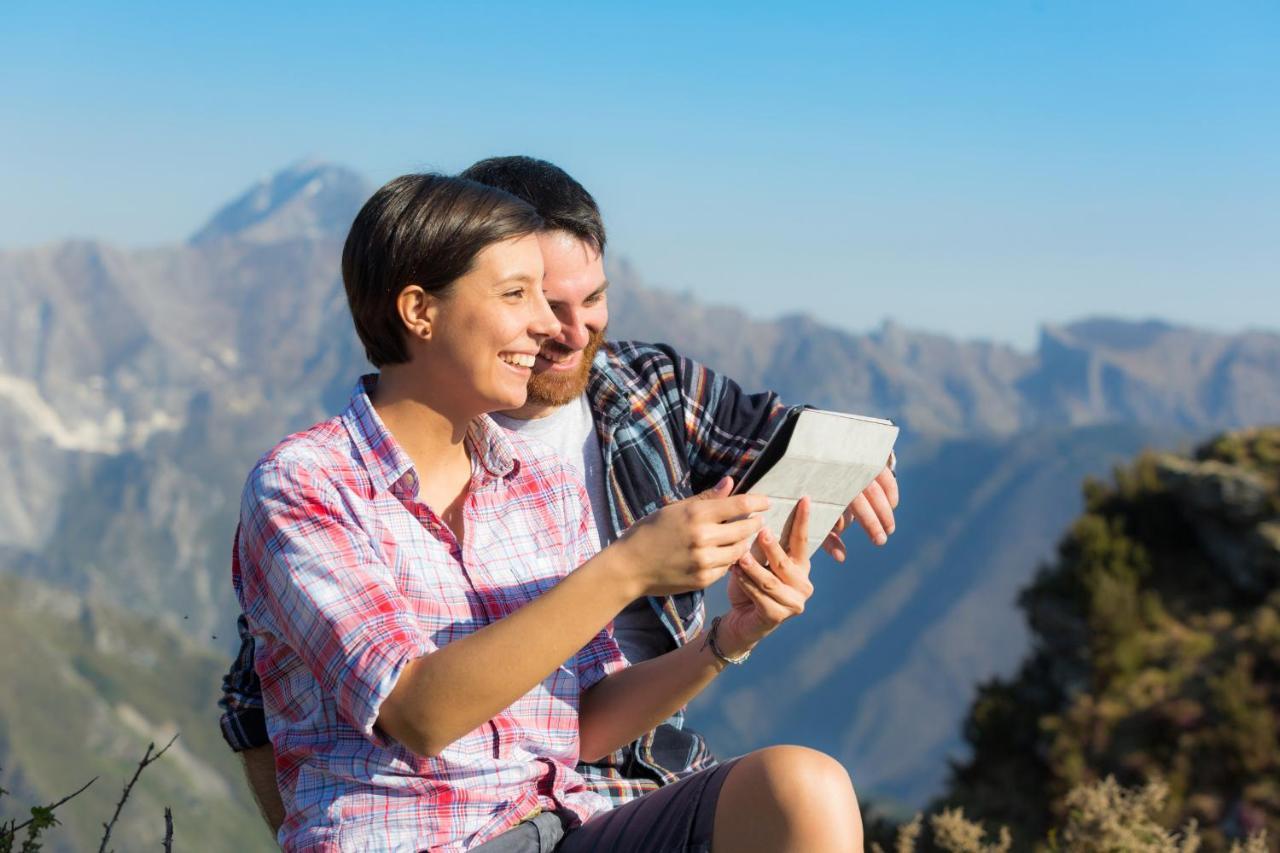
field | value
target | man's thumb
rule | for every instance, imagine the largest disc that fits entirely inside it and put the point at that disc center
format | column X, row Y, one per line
column 721, row 489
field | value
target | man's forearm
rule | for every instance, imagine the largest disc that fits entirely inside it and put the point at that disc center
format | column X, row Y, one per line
column 625, row 705
column 442, row 696
column 260, row 771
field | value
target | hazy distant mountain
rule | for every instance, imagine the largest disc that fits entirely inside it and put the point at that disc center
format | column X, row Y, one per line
column 1091, row 372
column 138, row 387
column 307, row 200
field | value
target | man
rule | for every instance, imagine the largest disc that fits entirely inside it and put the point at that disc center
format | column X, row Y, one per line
column 644, row 426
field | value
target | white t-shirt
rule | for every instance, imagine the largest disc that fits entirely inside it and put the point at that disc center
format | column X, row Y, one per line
column 572, row 433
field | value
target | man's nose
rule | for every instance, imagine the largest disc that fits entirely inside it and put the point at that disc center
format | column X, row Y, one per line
column 573, row 329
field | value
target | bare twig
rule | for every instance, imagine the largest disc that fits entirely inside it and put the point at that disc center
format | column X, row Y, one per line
column 147, row 759
column 168, row 830
column 13, row 830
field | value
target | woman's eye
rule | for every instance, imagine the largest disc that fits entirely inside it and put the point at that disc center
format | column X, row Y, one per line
column 510, row 294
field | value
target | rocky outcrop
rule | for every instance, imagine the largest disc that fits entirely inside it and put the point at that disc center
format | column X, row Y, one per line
column 1156, row 640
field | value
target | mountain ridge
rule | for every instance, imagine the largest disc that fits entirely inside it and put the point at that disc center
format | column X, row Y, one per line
column 137, row 387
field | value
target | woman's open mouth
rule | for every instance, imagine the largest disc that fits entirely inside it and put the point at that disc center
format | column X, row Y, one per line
column 522, row 360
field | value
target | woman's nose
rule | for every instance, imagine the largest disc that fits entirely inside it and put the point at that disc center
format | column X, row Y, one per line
column 545, row 323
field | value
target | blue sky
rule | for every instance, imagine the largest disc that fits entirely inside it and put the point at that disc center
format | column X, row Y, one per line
column 976, row 169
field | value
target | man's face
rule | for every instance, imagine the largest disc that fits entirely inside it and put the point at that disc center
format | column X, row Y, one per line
column 575, row 288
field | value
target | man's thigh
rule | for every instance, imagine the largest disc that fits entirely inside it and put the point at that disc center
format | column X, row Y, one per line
column 679, row 818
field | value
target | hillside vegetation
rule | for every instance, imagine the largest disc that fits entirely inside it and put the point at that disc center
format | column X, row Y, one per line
column 1155, row 661
column 86, row 688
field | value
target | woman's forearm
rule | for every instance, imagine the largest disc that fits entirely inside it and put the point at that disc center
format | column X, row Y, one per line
column 625, row 705
column 441, row 696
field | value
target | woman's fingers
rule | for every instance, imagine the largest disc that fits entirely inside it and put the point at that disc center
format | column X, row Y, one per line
column 770, row 611
column 798, row 538
column 726, row 555
column 785, row 565
column 775, row 600
column 729, row 532
column 783, row 582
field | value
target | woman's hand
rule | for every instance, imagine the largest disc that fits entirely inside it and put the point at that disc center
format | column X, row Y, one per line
column 692, row 543
column 760, row 599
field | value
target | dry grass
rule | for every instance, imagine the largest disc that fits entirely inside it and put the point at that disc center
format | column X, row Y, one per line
column 1102, row 817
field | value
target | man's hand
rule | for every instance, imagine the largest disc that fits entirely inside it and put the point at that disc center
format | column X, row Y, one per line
column 761, row 599
column 691, row 544
column 873, row 510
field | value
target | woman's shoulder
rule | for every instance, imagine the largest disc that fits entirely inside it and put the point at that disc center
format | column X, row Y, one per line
column 320, row 454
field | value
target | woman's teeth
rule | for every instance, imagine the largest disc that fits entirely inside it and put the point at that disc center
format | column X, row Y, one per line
column 519, row 359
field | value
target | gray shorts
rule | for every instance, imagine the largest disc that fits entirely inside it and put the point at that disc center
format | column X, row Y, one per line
column 678, row 818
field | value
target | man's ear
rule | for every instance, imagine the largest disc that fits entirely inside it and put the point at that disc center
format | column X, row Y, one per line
column 417, row 310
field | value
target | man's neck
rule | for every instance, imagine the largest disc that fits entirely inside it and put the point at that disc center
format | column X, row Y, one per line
column 533, row 411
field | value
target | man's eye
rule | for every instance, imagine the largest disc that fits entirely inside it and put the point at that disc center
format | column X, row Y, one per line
column 514, row 293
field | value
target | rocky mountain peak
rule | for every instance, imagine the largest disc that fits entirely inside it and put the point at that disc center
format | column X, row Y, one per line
column 1109, row 333
column 308, row 200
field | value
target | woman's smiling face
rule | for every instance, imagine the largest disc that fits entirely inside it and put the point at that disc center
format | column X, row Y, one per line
column 487, row 329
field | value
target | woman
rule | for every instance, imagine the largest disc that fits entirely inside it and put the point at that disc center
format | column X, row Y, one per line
column 432, row 664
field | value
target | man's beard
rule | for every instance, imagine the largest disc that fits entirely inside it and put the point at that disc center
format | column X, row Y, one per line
column 556, row 389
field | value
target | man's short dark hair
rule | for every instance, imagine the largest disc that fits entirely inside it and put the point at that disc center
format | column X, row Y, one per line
column 563, row 203
column 424, row 230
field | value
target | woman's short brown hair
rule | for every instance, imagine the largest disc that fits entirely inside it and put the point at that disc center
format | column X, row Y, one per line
column 425, row 230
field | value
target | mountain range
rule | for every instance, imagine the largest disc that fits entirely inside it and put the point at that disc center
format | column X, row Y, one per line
column 137, row 387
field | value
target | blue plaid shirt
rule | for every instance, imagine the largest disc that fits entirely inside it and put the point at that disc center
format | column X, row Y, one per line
column 669, row 428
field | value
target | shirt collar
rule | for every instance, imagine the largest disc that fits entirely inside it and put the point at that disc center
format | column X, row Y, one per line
column 607, row 396
column 390, row 468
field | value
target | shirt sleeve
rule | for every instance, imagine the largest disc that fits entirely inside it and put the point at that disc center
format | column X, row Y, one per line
column 310, row 579
column 601, row 656
column 725, row 426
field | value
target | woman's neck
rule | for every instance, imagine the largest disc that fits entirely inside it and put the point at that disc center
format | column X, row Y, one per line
column 434, row 441
column 432, row 437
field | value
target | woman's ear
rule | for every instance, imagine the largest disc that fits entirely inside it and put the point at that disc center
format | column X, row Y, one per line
column 417, row 310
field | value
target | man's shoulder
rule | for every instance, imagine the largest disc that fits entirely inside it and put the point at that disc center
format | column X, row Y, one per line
column 638, row 353
column 637, row 363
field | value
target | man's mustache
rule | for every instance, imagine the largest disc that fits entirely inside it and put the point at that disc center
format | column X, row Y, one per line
column 556, row 349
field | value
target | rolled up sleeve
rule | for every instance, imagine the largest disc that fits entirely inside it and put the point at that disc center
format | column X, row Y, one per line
column 310, row 579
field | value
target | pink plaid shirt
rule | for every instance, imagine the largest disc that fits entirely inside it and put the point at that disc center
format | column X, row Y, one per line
column 346, row 577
